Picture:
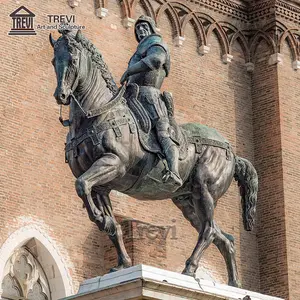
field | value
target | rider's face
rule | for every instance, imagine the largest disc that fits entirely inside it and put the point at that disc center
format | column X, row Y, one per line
column 142, row 30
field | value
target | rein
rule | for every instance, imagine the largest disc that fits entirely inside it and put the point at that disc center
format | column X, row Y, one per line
column 92, row 112
column 97, row 111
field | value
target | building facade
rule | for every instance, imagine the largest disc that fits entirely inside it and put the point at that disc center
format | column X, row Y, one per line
column 234, row 66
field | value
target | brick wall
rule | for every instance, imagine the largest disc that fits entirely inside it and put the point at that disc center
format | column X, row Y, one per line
column 289, row 81
column 271, row 231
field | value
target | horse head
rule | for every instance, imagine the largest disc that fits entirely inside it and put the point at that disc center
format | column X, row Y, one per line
column 66, row 64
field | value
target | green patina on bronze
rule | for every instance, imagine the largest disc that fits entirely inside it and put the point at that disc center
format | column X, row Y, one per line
column 203, row 131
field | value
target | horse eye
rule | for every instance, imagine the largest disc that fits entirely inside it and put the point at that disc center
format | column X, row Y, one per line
column 74, row 61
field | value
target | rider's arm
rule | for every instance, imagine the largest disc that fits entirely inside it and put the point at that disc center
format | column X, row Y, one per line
column 155, row 58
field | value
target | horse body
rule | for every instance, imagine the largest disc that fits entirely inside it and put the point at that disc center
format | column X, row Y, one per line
column 104, row 154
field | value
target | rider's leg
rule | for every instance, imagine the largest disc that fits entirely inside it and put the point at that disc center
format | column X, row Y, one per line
column 170, row 149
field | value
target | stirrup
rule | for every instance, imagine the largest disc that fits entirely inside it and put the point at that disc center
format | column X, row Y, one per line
column 169, row 175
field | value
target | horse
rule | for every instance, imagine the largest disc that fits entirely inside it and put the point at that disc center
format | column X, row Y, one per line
column 104, row 152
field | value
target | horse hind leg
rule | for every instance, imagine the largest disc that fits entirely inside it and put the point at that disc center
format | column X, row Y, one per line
column 203, row 204
column 184, row 203
column 225, row 244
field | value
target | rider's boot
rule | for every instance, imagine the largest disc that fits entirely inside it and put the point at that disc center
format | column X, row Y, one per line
column 170, row 150
column 172, row 157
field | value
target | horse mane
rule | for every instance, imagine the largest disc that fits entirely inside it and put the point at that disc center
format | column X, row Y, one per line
column 82, row 42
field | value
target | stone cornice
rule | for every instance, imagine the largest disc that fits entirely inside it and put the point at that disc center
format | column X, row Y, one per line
column 289, row 10
column 237, row 9
column 261, row 9
column 245, row 11
column 285, row 8
column 251, row 11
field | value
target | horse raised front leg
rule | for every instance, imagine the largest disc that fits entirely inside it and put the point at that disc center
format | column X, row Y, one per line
column 225, row 244
column 103, row 171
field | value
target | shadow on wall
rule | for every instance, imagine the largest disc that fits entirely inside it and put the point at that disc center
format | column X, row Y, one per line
column 92, row 260
column 145, row 244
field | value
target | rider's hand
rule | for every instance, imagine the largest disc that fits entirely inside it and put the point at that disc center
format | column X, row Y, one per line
column 124, row 77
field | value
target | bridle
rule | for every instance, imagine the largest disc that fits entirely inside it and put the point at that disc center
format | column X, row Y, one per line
column 67, row 123
column 116, row 99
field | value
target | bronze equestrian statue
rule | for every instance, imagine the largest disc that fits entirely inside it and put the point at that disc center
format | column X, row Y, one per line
column 114, row 143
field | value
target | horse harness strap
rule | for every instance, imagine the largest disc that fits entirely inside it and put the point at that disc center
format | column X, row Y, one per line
column 118, row 98
column 93, row 131
column 199, row 142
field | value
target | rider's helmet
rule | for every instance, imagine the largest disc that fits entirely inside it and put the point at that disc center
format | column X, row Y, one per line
column 147, row 19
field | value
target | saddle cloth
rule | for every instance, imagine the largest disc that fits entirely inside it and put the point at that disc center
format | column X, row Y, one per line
column 146, row 132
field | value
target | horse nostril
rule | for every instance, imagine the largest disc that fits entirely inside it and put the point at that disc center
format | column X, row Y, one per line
column 63, row 96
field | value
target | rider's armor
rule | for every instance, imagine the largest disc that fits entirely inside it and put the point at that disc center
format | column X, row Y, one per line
column 155, row 54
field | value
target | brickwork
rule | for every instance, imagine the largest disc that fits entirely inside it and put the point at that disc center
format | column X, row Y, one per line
column 256, row 112
column 289, row 81
column 271, row 231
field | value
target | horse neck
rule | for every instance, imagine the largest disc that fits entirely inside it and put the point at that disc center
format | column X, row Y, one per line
column 92, row 91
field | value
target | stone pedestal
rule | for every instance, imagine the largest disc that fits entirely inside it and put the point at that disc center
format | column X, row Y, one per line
column 145, row 282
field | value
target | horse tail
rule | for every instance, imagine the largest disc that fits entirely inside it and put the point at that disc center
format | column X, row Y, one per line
column 246, row 176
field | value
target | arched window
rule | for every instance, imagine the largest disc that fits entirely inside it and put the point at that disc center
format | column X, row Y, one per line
column 31, row 266
column 24, row 277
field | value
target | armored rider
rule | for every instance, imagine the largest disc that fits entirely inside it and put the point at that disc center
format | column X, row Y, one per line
column 148, row 67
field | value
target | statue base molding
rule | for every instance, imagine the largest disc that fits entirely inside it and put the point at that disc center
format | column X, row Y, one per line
column 145, row 282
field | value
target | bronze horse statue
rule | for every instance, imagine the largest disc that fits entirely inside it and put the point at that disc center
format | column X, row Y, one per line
column 104, row 152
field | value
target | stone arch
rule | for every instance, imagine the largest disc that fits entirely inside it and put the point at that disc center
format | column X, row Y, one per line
column 126, row 8
column 145, row 4
column 173, row 16
column 292, row 42
column 204, row 17
column 101, row 4
column 238, row 36
column 256, row 39
column 197, row 25
column 221, row 36
column 241, row 39
column 63, row 281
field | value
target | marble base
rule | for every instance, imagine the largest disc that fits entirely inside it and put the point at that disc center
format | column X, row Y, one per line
column 145, row 282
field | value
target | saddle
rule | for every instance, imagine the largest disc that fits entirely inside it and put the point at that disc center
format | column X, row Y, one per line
column 146, row 132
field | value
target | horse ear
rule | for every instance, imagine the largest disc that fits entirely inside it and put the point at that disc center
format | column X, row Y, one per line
column 52, row 40
column 78, row 35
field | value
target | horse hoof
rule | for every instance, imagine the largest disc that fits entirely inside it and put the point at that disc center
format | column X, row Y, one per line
column 115, row 269
column 188, row 273
column 118, row 268
column 235, row 283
